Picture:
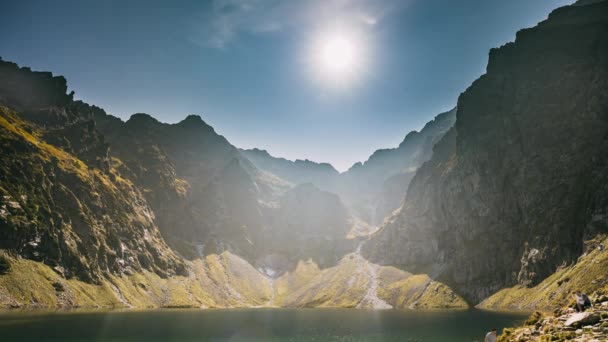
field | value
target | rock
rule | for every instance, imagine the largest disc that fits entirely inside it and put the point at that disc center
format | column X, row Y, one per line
column 60, row 270
column 583, row 318
column 601, row 299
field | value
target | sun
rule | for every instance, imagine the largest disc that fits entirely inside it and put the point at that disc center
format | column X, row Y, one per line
column 337, row 58
column 337, row 55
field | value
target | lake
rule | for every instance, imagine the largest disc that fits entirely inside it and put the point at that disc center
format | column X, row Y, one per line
column 254, row 325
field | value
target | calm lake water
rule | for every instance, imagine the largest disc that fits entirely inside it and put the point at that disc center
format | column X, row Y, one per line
column 254, row 325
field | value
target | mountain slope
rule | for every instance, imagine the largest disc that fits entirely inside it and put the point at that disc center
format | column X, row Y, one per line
column 81, row 220
column 197, row 183
column 377, row 187
column 97, row 212
column 374, row 189
column 514, row 189
column 299, row 171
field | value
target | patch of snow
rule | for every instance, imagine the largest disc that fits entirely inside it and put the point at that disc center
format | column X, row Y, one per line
column 269, row 272
column 200, row 249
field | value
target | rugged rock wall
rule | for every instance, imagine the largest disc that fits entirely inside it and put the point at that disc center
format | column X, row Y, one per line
column 514, row 189
column 81, row 218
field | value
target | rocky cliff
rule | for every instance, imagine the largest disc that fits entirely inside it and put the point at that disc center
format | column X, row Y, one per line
column 519, row 183
column 81, row 218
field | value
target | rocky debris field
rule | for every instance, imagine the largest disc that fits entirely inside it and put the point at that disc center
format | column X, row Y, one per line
column 564, row 325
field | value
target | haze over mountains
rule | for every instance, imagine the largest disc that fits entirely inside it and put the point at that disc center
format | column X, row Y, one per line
column 197, row 196
column 374, row 188
column 504, row 193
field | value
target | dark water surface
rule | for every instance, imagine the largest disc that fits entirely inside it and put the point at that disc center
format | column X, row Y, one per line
column 254, row 325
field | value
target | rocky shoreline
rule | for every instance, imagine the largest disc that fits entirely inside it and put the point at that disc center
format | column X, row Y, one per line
column 564, row 325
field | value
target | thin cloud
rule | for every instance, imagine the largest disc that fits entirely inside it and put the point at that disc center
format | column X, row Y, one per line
column 225, row 20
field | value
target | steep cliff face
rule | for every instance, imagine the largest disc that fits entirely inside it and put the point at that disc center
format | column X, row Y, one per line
column 514, row 189
column 74, row 214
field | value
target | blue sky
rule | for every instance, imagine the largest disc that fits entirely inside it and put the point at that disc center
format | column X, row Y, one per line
column 239, row 63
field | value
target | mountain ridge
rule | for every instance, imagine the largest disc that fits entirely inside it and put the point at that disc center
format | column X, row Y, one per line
column 513, row 191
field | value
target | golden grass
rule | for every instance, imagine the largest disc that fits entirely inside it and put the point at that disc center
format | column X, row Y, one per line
column 588, row 275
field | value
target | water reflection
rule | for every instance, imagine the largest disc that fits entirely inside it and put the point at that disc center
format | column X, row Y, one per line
column 254, row 325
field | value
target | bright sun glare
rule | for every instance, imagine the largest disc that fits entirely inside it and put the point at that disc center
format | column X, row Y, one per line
column 338, row 58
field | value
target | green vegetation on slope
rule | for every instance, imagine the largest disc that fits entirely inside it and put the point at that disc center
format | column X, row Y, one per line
column 407, row 291
column 588, row 275
column 83, row 221
column 218, row 281
column 347, row 284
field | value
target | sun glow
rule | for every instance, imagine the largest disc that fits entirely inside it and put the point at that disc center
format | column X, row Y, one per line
column 337, row 58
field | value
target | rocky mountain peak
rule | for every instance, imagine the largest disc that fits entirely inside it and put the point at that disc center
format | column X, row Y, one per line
column 27, row 90
column 515, row 188
column 142, row 119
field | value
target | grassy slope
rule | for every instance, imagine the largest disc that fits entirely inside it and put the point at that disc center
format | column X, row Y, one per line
column 345, row 285
column 340, row 286
column 218, row 281
column 46, row 190
column 405, row 290
column 223, row 280
column 589, row 274
column 291, row 281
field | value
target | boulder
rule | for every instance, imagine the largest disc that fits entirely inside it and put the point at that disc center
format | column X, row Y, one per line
column 582, row 319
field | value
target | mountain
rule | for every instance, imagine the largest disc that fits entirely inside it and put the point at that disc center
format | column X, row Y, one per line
column 501, row 202
column 374, row 189
column 99, row 212
column 377, row 187
column 201, row 189
column 299, row 171
column 517, row 186
column 81, row 218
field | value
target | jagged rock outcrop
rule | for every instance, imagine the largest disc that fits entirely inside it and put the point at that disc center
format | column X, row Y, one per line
column 83, row 220
column 519, row 183
column 563, row 325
